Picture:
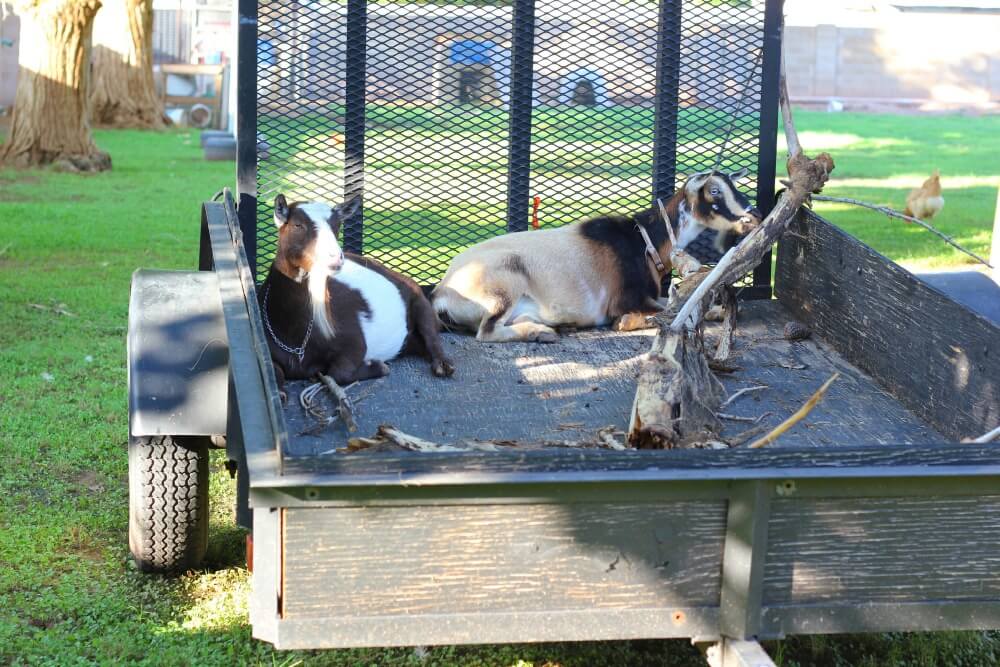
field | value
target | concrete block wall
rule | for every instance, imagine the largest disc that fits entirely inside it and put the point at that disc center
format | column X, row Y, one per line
column 948, row 58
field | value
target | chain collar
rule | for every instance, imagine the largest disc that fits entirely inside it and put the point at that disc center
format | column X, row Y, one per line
column 300, row 351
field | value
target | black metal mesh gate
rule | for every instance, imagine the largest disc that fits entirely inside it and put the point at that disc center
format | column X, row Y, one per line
column 456, row 121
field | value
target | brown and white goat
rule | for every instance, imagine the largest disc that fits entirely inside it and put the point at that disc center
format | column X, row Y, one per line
column 517, row 287
column 341, row 315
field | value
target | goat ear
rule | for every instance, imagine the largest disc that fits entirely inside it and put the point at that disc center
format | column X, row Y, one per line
column 280, row 210
column 737, row 175
column 349, row 208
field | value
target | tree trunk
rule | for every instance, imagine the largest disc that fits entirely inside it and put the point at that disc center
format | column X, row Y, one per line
column 50, row 121
column 123, row 93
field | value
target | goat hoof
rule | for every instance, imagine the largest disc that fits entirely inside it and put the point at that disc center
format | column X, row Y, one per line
column 546, row 337
column 442, row 368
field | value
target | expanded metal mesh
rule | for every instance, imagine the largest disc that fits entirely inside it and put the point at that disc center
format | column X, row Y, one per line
column 624, row 100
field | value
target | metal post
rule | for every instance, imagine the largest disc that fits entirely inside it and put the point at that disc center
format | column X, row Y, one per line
column 246, row 128
column 995, row 246
column 355, row 71
column 768, row 135
column 668, row 62
column 521, row 84
column 743, row 559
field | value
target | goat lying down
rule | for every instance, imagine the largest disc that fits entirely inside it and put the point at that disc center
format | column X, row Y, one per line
column 340, row 314
column 517, row 287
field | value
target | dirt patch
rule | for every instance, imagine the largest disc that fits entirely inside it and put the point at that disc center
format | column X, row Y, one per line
column 78, row 543
column 89, row 480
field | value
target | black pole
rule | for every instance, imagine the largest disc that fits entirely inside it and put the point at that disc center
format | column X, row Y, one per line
column 668, row 63
column 767, row 139
column 354, row 119
column 246, row 128
column 521, row 83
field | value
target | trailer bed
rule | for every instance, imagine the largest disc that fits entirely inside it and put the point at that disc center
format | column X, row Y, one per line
column 567, row 391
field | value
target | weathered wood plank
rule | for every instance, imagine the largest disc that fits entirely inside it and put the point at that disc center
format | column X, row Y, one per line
column 593, row 465
column 939, row 358
column 495, row 628
column 872, row 550
column 780, row 621
column 381, row 561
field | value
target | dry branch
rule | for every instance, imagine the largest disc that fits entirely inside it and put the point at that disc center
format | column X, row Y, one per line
column 741, row 392
column 984, row 438
column 683, row 263
column 677, row 396
column 797, row 417
column 344, row 407
column 731, row 309
column 902, row 216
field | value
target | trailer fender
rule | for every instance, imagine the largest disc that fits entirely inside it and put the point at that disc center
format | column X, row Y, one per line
column 178, row 354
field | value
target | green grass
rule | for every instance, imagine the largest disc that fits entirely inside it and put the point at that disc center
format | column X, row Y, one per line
column 590, row 161
column 70, row 243
column 880, row 158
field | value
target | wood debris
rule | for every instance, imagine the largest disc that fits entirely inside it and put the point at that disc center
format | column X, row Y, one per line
column 797, row 417
column 344, row 407
column 796, row 331
column 678, row 397
column 742, row 392
column 984, row 438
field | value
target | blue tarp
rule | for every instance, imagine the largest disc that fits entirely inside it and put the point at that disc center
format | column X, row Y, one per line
column 471, row 52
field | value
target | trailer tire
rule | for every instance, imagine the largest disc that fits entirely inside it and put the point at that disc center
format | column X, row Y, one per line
column 168, row 502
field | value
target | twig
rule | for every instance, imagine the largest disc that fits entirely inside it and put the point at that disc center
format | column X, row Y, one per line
column 806, row 176
column 791, row 136
column 344, row 407
column 740, row 438
column 797, row 417
column 737, row 418
column 684, row 263
column 746, row 390
column 892, row 213
column 412, row 442
column 984, row 438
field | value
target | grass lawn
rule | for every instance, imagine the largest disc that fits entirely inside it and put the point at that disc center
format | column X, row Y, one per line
column 68, row 245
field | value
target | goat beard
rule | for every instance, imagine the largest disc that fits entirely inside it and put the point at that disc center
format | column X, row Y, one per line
column 318, row 283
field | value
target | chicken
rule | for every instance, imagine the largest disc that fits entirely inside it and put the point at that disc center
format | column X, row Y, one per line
column 926, row 201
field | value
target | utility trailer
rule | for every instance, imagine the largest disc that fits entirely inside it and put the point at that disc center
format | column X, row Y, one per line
column 871, row 515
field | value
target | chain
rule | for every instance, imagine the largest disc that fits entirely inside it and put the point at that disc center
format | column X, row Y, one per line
column 299, row 352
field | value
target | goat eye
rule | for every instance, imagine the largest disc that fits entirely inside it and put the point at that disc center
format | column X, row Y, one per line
column 714, row 191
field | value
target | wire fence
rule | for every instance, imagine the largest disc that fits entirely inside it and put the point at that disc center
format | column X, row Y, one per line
column 458, row 122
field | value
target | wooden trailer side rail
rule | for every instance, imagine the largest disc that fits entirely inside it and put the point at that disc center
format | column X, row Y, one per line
column 939, row 358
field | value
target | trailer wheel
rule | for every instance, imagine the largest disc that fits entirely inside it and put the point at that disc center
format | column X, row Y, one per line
column 168, row 502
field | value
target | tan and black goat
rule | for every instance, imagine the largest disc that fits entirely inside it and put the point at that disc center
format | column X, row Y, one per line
column 606, row 270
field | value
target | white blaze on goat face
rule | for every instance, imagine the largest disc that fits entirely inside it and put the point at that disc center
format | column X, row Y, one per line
column 327, row 259
column 688, row 228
